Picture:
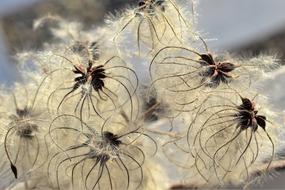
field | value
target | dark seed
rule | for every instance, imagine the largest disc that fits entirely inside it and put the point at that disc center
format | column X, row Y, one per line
column 207, row 59
column 14, row 170
column 261, row 121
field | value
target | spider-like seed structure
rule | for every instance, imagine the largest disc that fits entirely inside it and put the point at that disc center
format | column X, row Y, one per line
column 93, row 160
column 192, row 70
column 182, row 70
column 217, row 71
column 100, row 86
column 153, row 23
column 26, row 126
column 247, row 120
column 224, row 138
column 24, row 130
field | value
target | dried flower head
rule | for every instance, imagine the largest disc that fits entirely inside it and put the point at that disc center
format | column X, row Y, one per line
column 96, row 157
column 153, row 23
column 26, row 124
column 228, row 137
column 82, row 84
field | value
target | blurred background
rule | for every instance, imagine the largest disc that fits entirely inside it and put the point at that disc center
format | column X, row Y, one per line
column 242, row 27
